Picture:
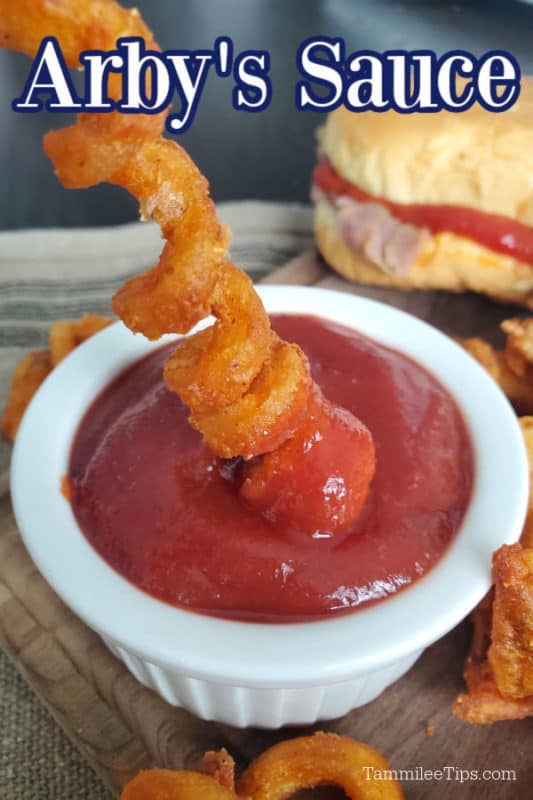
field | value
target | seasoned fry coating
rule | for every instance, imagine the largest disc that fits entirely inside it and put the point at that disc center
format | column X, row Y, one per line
column 166, row 784
column 324, row 759
column 76, row 24
column 499, row 668
column 483, row 702
column 511, row 651
column 67, row 334
column 268, row 414
column 218, row 764
column 247, row 391
column 27, row 378
column 511, row 368
column 178, row 292
column 63, row 337
column 90, row 150
column 519, row 347
column 216, row 367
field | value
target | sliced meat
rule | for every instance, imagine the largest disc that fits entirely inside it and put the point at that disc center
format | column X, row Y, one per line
column 375, row 234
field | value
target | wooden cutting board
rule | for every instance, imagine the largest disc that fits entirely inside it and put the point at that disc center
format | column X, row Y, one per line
column 122, row 727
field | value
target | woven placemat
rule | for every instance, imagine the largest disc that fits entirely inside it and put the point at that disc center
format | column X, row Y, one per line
column 37, row 761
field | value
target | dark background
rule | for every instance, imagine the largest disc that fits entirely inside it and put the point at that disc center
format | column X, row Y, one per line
column 268, row 155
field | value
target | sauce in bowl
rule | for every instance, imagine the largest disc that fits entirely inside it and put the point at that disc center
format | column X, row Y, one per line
column 164, row 512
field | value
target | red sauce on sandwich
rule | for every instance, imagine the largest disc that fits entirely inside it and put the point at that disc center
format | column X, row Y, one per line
column 498, row 233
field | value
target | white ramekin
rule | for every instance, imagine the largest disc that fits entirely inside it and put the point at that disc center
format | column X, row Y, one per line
column 255, row 674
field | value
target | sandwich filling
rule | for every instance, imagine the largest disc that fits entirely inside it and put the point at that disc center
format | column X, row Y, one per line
column 392, row 235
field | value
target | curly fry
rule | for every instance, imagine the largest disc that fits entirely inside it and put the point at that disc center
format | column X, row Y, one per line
column 166, row 784
column 483, row 702
column 64, row 336
column 218, row 764
column 511, row 651
column 27, row 378
column 247, row 390
column 91, row 149
column 192, row 278
column 511, row 368
column 324, row 759
column 499, row 668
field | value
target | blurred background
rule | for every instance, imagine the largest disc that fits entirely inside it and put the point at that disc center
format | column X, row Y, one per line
column 268, row 155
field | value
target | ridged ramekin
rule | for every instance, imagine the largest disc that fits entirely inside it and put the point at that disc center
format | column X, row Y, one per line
column 244, row 673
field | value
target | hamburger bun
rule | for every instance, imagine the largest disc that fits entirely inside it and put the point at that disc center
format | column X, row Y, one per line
column 475, row 159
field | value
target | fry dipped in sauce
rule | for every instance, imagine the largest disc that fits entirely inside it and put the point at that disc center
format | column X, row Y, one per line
column 249, row 392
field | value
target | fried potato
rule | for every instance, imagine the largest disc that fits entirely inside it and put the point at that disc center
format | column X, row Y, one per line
column 324, row 759
column 246, row 390
column 216, row 367
column 178, row 292
column 218, row 764
column 166, row 784
column 510, row 654
column 268, row 414
column 511, row 368
column 27, row 378
column 483, row 702
column 499, row 668
column 66, row 335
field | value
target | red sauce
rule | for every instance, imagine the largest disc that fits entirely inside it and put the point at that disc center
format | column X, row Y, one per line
column 502, row 234
column 160, row 508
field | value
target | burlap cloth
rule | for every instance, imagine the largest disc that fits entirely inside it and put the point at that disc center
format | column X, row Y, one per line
column 59, row 274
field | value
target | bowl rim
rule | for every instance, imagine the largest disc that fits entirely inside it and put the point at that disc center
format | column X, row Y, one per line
column 288, row 655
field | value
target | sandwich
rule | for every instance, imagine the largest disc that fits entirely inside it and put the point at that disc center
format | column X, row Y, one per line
column 430, row 201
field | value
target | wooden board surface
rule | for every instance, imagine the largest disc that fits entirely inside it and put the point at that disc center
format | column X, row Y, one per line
column 122, row 727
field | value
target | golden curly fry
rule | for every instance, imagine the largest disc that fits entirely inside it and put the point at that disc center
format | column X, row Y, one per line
column 214, row 371
column 76, row 24
column 268, row 414
column 166, row 784
column 178, row 292
column 499, row 668
column 247, row 390
column 483, row 703
column 218, row 764
column 511, row 368
column 28, row 376
column 66, row 335
column 519, row 346
column 89, row 151
column 511, row 651
column 324, row 759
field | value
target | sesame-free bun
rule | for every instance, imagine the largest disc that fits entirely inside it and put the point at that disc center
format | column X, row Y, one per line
column 446, row 261
column 476, row 158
